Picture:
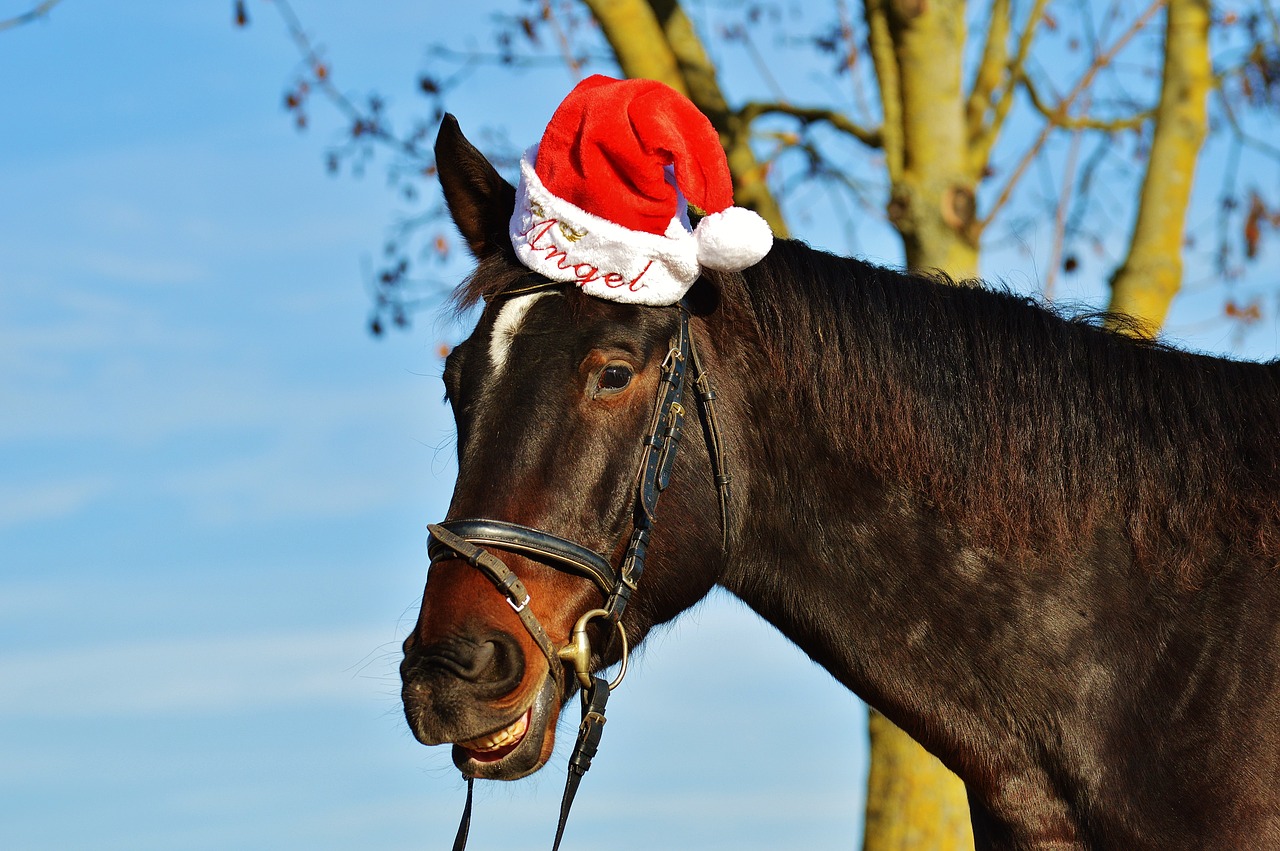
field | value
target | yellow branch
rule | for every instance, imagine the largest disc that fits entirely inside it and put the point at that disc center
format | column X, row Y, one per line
column 886, row 65
column 1058, row 117
column 982, row 137
column 872, row 137
column 995, row 57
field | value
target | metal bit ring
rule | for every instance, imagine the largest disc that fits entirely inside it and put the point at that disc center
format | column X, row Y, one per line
column 578, row 651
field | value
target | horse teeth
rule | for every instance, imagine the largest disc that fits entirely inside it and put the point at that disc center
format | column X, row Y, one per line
column 507, row 736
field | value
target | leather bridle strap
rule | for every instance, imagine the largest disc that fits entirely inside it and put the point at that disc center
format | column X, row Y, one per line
column 563, row 553
column 584, row 750
column 660, row 444
column 509, row 584
column 715, row 443
column 464, row 826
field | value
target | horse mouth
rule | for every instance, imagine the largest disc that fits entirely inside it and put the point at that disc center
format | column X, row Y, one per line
column 517, row 749
column 494, row 746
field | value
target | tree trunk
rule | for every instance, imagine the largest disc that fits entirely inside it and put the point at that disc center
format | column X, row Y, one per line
column 1149, row 278
column 917, row 47
column 655, row 40
column 905, row 809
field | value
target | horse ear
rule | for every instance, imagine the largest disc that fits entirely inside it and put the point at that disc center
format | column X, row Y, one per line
column 479, row 200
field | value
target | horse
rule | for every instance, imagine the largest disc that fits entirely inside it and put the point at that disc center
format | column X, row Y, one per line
column 1046, row 550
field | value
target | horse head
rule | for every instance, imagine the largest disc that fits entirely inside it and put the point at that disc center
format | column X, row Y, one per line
column 555, row 395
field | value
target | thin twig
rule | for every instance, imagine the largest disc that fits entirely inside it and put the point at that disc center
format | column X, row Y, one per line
column 1060, row 215
column 983, row 135
column 474, row 57
column 1058, row 117
column 575, row 67
column 762, row 66
column 371, row 127
column 872, row 137
column 1099, row 62
column 1273, row 18
column 846, row 31
column 1258, row 144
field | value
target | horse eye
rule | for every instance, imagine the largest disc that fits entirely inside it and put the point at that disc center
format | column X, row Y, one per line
column 614, row 378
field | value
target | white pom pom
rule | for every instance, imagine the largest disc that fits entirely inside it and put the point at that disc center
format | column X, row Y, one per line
column 732, row 239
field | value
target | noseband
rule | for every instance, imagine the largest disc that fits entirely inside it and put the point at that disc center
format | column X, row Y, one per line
column 463, row 539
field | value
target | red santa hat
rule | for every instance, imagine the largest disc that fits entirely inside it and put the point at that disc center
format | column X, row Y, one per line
column 602, row 198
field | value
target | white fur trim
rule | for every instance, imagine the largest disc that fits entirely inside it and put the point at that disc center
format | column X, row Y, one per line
column 566, row 243
column 733, row 239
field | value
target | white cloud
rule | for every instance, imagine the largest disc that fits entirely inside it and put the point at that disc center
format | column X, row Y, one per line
column 199, row 675
column 121, row 266
column 46, row 501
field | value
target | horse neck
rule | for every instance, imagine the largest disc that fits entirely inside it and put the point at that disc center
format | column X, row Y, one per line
column 854, row 564
column 953, row 642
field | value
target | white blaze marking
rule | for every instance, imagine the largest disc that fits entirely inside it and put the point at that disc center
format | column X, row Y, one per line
column 507, row 325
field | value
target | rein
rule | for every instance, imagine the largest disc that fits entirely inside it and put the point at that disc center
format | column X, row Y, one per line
column 463, row 539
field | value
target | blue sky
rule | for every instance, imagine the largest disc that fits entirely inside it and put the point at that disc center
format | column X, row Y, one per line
column 214, row 484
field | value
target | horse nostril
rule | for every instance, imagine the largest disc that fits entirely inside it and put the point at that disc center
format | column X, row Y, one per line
column 494, row 666
column 506, row 665
column 467, row 660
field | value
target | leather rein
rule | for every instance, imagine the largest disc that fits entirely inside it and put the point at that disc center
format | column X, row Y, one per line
column 463, row 539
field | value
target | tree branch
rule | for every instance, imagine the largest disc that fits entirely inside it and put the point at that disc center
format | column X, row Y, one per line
column 39, row 11
column 983, row 134
column 851, row 45
column 995, row 58
column 637, row 39
column 1060, row 215
column 1058, row 117
column 885, row 60
column 1245, row 139
column 1099, row 62
column 363, row 123
column 871, row 137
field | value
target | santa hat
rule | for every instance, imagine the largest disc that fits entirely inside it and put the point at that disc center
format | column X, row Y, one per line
column 602, row 198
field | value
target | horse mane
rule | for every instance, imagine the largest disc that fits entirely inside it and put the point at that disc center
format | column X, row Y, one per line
column 1025, row 428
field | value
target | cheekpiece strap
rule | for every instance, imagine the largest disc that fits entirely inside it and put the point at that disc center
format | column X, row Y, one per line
column 584, row 750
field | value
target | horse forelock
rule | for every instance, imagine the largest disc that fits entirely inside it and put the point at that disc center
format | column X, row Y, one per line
column 1022, row 426
column 493, row 275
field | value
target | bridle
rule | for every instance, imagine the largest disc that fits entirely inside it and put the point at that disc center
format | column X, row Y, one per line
column 463, row 539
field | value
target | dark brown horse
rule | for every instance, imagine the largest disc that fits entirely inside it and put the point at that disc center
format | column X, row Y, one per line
column 1047, row 552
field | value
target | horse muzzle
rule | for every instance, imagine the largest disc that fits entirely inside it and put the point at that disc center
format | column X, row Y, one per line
column 466, row 692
